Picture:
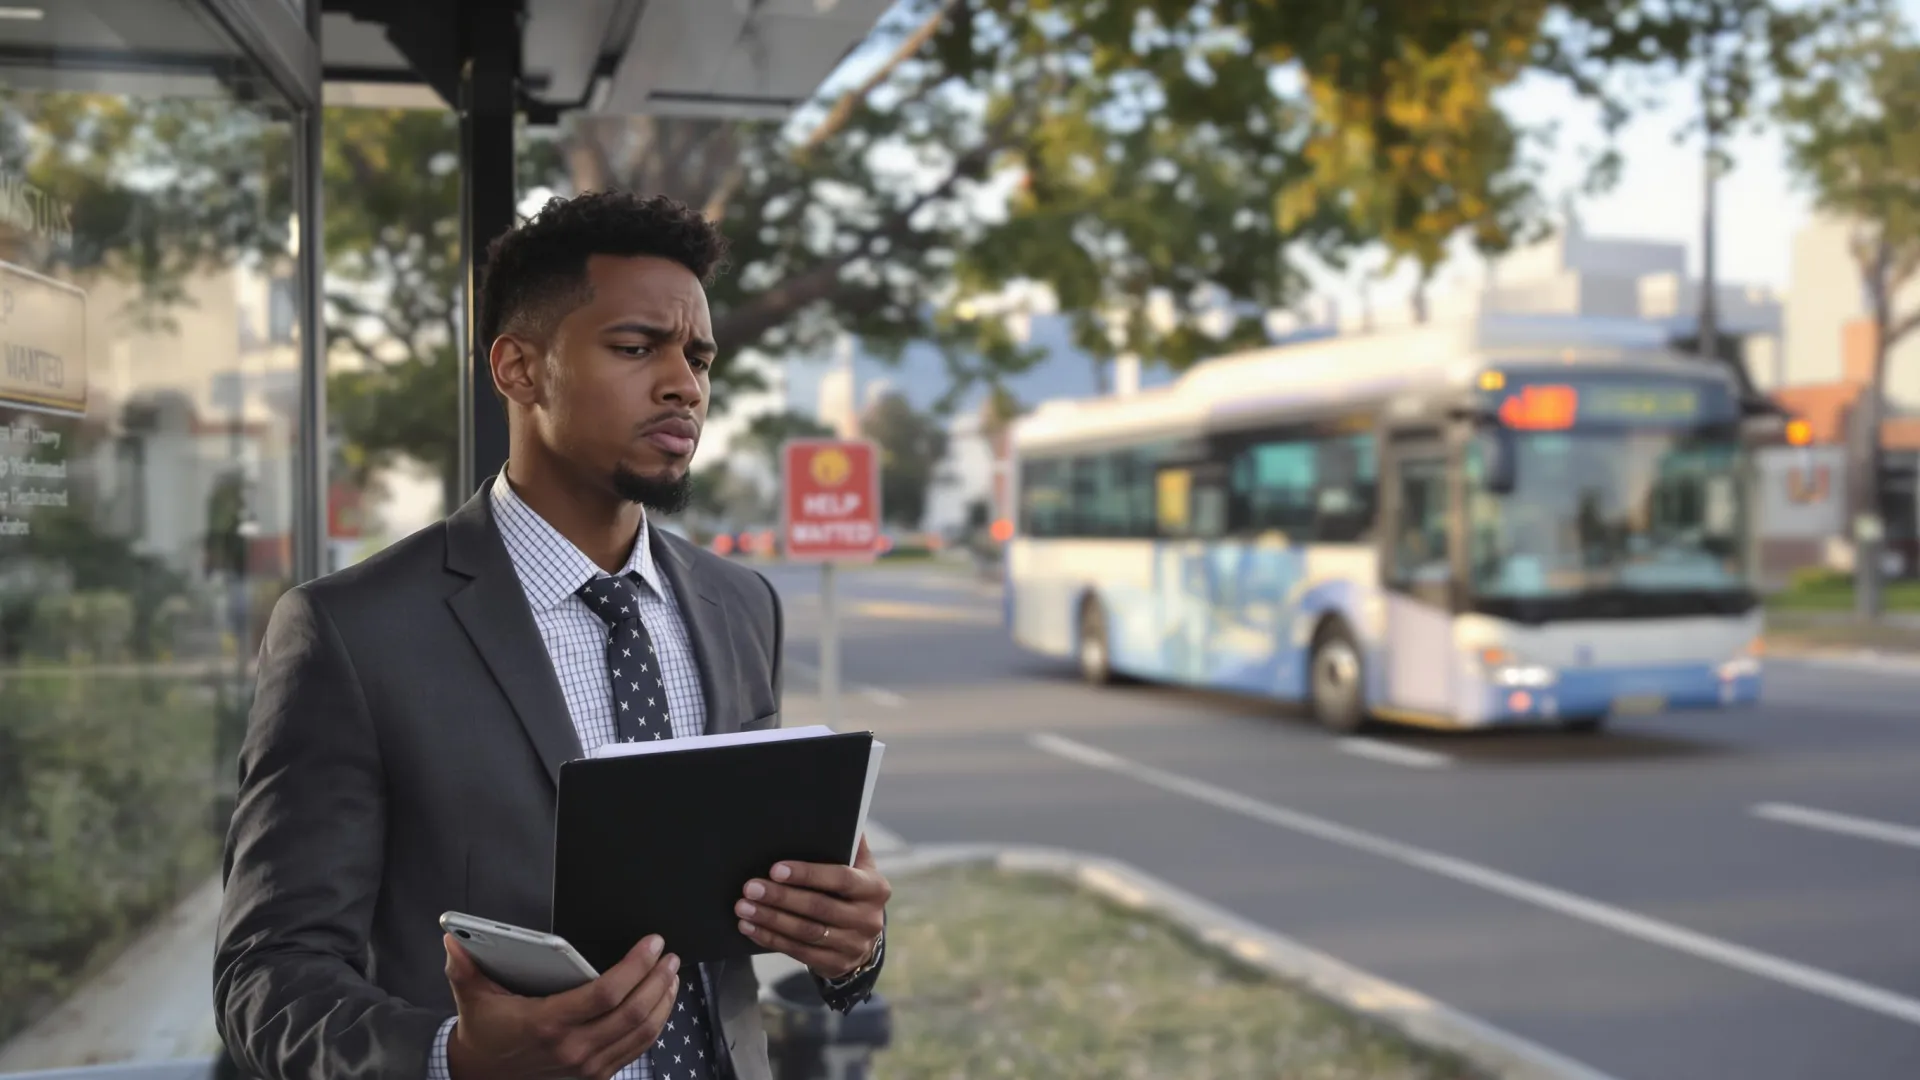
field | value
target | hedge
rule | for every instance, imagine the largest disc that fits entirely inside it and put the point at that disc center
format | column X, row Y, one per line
column 109, row 793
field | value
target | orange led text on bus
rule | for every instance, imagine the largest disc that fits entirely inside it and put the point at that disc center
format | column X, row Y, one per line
column 1541, row 408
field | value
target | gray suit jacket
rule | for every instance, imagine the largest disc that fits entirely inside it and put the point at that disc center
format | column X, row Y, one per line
column 401, row 761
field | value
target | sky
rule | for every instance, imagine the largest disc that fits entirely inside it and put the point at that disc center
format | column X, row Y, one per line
column 1660, row 194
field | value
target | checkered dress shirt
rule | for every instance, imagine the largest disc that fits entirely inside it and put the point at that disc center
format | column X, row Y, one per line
column 551, row 572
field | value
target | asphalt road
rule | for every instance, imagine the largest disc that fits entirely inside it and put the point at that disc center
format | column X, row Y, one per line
column 1686, row 897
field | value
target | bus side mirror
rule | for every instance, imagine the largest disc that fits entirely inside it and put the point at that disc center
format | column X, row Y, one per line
column 1496, row 459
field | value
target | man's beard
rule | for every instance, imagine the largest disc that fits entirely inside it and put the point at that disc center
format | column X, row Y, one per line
column 660, row 495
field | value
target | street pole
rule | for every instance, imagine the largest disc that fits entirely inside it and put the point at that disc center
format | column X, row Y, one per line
column 1709, row 280
column 1868, row 529
column 829, row 645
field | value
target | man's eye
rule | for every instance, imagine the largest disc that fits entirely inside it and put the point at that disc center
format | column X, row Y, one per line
column 633, row 350
column 701, row 363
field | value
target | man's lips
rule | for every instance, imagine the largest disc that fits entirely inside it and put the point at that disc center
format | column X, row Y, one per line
column 677, row 437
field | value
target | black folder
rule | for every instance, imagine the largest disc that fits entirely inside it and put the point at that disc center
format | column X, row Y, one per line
column 663, row 842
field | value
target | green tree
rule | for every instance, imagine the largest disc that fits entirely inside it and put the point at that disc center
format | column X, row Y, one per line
column 1738, row 54
column 160, row 188
column 1115, row 151
column 1852, row 140
column 911, row 445
column 768, row 432
column 728, row 497
column 1121, row 150
column 391, row 188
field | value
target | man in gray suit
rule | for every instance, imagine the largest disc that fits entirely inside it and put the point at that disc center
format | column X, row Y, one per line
column 413, row 713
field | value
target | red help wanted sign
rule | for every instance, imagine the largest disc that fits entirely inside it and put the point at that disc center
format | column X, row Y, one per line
column 832, row 499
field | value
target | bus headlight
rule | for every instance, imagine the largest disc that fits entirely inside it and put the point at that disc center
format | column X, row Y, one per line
column 1506, row 669
column 1743, row 665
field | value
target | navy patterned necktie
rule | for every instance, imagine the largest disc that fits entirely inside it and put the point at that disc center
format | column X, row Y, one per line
column 685, row 1050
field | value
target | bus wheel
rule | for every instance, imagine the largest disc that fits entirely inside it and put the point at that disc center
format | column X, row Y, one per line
column 1096, row 659
column 1585, row 725
column 1336, row 682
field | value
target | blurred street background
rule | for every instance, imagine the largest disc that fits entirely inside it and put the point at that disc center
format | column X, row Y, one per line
column 955, row 221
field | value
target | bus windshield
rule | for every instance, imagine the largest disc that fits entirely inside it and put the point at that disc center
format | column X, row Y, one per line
column 1595, row 513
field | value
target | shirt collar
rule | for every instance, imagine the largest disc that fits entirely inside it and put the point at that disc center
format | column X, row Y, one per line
column 550, row 566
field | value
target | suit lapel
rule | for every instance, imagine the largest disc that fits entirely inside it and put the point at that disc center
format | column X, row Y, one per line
column 492, row 607
column 706, row 631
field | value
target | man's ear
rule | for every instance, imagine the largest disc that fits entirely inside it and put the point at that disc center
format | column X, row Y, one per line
column 517, row 369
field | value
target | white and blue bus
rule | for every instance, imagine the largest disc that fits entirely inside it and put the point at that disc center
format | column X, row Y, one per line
column 1507, row 520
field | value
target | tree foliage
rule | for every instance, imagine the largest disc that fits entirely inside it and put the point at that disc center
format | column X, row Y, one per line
column 1852, row 140
column 160, row 189
column 1123, row 151
column 766, row 433
column 395, row 325
column 911, row 445
column 1163, row 168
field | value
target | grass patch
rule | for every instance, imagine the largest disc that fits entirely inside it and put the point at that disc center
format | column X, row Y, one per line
column 1825, row 591
column 999, row 974
column 1815, row 629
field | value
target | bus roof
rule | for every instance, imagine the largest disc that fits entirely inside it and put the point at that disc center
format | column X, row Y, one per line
column 1358, row 369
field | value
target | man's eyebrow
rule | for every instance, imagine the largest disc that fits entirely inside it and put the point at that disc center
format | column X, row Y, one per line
column 647, row 330
column 640, row 328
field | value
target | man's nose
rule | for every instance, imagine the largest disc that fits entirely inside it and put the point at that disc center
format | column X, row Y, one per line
column 678, row 382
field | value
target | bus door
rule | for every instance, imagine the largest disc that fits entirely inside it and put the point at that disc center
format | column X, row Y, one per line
column 1190, row 508
column 1418, row 511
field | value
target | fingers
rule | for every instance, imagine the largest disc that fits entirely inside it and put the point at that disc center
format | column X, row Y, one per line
column 463, row 975
column 824, row 933
column 633, row 1028
column 847, row 882
column 817, row 909
column 833, row 957
column 825, row 916
column 605, row 994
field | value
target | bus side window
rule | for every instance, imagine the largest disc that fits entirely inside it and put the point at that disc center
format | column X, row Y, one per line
column 1172, row 498
column 1420, row 555
column 1346, row 482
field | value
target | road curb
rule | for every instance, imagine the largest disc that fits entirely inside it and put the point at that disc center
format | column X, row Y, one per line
column 1413, row 1015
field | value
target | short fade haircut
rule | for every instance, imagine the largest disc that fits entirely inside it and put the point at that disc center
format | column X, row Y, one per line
column 537, row 273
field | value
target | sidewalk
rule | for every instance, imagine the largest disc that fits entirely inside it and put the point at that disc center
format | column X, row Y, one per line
column 152, row 1003
column 1895, row 639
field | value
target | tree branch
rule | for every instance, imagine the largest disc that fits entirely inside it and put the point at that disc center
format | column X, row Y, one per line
column 746, row 324
column 843, row 109
column 338, row 334
column 1902, row 328
column 586, row 154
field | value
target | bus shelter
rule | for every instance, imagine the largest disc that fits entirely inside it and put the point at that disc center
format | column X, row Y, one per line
column 164, row 454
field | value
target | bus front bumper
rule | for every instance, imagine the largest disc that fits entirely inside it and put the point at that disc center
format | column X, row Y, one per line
column 1596, row 692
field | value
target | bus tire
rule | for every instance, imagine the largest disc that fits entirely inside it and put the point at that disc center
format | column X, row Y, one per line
column 1095, row 652
column 1336, row 680
column 1585, row 725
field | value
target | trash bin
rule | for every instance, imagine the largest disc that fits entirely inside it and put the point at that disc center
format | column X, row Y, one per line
column 808, row 1041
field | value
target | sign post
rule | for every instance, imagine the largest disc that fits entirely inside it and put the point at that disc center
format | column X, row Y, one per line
column 830, row 513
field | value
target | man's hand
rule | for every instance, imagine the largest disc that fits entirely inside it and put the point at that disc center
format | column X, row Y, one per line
column 588, row 1033
column 826, row 916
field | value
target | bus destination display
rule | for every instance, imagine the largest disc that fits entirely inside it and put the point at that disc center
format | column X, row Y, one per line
column 1558, row 406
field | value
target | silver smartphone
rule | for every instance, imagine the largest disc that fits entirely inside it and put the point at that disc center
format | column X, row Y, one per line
column 526, row 962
